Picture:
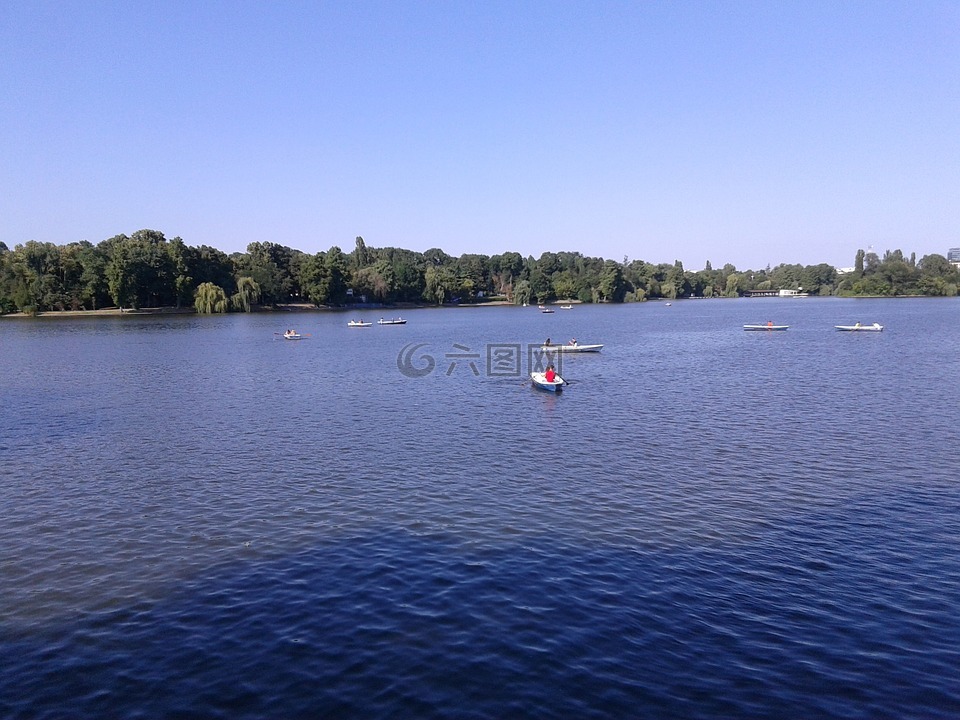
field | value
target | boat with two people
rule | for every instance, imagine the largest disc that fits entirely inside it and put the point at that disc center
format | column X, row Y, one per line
column 571, row 347
column 359, row 323
column 876, row 327
column 548, row 380
column 767, row 326
column 394, row 321
column 292, row 335
column 544, row 309
column 566, row 307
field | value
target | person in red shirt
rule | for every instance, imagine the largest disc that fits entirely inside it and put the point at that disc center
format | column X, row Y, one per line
column 550, row 375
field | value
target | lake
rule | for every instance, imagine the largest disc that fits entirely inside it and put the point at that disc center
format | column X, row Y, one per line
column 202, row 519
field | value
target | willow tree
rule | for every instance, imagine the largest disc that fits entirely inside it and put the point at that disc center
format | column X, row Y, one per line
column 248, row 293
column 439, row 282
column 210, row 298
column 522, row 292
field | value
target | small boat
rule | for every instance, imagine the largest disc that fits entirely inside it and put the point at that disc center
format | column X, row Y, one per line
column 768, row 326
column 395, row 321
column 292, row 335
column 571, row 348
column 540, row 380
column 566, row 307
column 359, row 323
column 545, row 309
column 876, row 327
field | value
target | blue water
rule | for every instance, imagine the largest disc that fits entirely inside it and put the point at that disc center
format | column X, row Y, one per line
column 204, row 520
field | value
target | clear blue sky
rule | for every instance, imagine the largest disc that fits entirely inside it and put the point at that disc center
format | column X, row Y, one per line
column 753, row 133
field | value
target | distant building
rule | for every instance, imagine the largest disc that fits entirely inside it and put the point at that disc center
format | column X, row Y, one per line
column 953, row 256
column 845, row 271
column 776, row 293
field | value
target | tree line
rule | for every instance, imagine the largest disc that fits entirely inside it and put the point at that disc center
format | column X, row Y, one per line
column 146, row 269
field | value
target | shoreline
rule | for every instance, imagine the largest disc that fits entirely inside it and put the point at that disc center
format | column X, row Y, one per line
column 288, row 307
column 309, row 307
column 104, row 312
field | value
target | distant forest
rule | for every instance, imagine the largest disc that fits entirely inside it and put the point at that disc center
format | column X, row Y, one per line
column 148, row 270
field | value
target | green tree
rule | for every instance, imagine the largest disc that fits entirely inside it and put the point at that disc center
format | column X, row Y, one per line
column 733, row 285
column 315, row 280
column 408, row 279
column 182, row 280
column 540, row 284
column 120, row 280
column 818, row 279
column 509, row 265
column 36, row 277
column 522, row 292
column 361, row 255
column 473, row 274
column 248, row 293
column 675, row 283
column 269, row 264
column 898, row 275
column 153, row 269
column 337, row 273
column 440, row 283
column 548, row 263
column 505, row 271
column 207, row 264
column 140, row 271
column 7, row 304
column 936, row 266
column 436, row 257
column 611, row 287
column 93, row 278
column 374, row 281
column 564, row 286
column 210, row 299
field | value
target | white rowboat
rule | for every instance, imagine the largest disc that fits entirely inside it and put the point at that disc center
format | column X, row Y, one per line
column 540, row 381
column 876, row 327
column 571, row 348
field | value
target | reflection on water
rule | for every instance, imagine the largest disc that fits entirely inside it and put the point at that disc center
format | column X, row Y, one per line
column 203, row 518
